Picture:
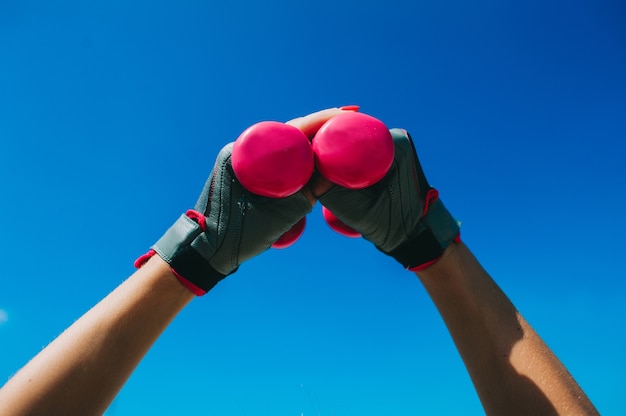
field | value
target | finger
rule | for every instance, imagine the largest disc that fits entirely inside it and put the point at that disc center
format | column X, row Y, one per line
column 309, row 195
column 311, row 123
column 319, row 185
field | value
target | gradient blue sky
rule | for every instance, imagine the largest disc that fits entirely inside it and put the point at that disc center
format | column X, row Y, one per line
column 111, row 114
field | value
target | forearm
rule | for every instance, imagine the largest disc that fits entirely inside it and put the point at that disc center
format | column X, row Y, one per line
column 513, row 370
column 82, row 370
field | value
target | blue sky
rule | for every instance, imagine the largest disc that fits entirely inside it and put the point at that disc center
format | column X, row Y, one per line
column 111, row 115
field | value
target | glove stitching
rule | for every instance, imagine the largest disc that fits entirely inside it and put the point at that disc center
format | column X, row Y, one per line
column 239, row 219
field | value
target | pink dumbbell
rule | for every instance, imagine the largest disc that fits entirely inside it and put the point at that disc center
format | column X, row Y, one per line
column 275, row 160
column 336, row 224
column 291, row 236
column 353, row 150
column 272, row 159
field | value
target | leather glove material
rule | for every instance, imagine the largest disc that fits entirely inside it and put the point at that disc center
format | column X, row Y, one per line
column 228, row 226
column 401, row 214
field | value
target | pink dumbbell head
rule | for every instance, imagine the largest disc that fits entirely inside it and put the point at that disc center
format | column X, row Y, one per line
column 353, row 150
column 291, row 236
column 336, row 224
column 272, row 159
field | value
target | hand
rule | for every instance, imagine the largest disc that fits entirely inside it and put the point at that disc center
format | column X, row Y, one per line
column 401, row 214
column 229, row 224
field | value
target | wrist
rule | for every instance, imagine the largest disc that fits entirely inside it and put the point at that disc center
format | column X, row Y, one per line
column 435, row 231
column 160, row 278
column 441, row 263
column 177, row 248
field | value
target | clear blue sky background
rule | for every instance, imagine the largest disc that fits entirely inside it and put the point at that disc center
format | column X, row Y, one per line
column 111, row 114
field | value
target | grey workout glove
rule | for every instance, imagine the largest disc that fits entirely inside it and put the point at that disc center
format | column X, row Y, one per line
column 401, row 214
column 227, row 226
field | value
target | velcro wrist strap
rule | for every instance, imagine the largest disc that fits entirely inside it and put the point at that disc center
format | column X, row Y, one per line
column 436, row 231
column 193, row 271
column 190, row 267
column 180, row 234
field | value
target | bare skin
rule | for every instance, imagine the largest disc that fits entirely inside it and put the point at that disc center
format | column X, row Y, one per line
column 82, row 370
column 513, row 370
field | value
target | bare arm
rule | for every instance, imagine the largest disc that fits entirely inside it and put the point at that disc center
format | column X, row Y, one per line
column 82, row 370
column 513, row 370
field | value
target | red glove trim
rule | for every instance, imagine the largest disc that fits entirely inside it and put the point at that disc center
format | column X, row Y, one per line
column 197, row 217
column 144, row 258
column 193, row 288
column 425, row 265
column 431, row 196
